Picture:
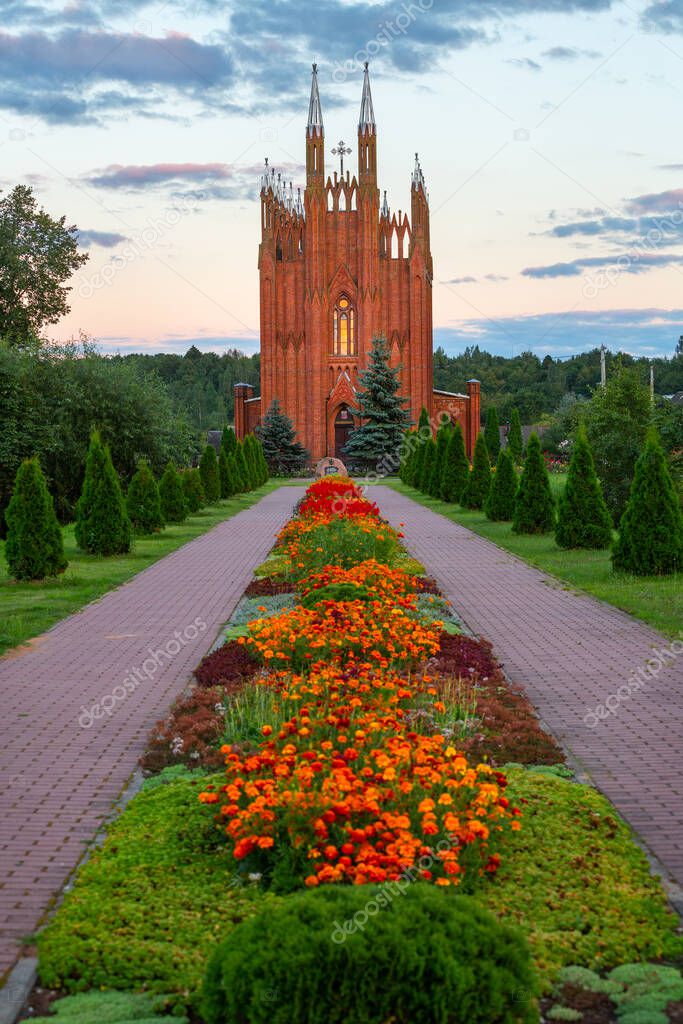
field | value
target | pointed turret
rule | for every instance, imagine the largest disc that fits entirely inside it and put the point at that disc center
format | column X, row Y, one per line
column 315, row 136
column 367, row 114
column 367, row 137
column 315, row 111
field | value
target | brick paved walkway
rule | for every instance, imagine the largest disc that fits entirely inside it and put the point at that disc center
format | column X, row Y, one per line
column 60, row 774
column 570, row 652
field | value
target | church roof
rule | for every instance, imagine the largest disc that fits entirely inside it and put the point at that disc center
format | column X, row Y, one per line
column 315, row 111
column 367, row 114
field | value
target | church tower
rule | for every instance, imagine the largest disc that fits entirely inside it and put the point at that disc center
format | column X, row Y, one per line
column 337, row 269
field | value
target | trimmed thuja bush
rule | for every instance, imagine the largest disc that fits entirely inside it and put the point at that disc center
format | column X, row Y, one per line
column 479, row 483
column 227, row 484
column 426, row 466
column 442, row 438
column 650, row 538
column 243, row 467
column 367, row 954
column 583, row 520
column 208, row 470
column 143, row 502
column 102, row 523
column 171, row 492
column 500, row 504
column 514, row 439
column 34, row 548
column 193, row 490
column 534, row 504
column 228, row 440
column 415, row 450
column 456, row 469
column 492, row 432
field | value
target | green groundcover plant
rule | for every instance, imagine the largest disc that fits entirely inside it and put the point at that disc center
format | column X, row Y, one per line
column 353, row 954
column 150, row 905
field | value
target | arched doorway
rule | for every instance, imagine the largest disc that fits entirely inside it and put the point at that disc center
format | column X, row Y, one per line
column 343, row 427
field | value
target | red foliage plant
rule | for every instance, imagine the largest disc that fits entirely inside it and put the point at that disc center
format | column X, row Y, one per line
column 190, row 733
column 228, row 666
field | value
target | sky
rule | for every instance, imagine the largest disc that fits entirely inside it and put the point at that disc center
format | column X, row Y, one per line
column 548, row 133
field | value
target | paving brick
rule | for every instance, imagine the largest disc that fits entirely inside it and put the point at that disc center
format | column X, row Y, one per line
column 570, row 652
column 60, row 765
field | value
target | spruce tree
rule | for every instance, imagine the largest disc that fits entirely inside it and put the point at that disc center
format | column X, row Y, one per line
column 34, row 547
column 479, row 483
column 381, row 409
column 515, row 443
column 171, row 492
column 650, row 538
column 193, row 490
column 492, row 432
column 427, row 465
column 443, row 436
column 224, row 475
column 583, row 520
column 228, row 440
column 208, row 470
column 283, row 453
column 534, row 505
column 102, row 523
column 500, row 504
column 456, row 471
column 142, row 501
column 243, row 467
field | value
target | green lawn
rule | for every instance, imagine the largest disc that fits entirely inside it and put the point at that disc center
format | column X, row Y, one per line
column 657, row 600
column 27, row 609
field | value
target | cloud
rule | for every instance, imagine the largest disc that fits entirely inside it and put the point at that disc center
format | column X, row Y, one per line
column 526, row 63
column 462, row 280
column 223, row 182
column 105, row 239
column 569, row 53
column 625, row 263
column 638, row 331
column 661, row 202
column 57, row 75
column 496, row 278
column 666, row 17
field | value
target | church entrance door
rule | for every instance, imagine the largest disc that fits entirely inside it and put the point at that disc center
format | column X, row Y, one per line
column 343, row 427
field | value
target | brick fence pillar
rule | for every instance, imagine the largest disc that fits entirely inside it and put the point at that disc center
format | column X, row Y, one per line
column 242, row 393
column 473, row 414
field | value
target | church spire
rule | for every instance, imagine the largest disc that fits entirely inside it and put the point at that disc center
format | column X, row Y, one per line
column 315, row 112
column 367, row 114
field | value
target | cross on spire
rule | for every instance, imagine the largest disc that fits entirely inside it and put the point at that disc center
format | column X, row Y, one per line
column 341, row 150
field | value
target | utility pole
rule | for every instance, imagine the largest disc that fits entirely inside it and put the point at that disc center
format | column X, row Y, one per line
column 603, row 369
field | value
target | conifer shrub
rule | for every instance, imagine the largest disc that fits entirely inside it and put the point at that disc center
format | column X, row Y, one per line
column 262, row 465
column 456, row 469
column 492, row 432
column 534, row 504
column 583, row 520
column 143, row 503
column 413, row 461
column 479, row 482
column 224, row 475
column 102, row 523
column 367, row 954
column 514, row 438
column 235, row 474
column 427, row 465
column 443, row 436
column 34, row 547
column 208, row 470
column 171, row 492
column 415, row 470
column 228, row 440
column 500, row 504
column 193, row 490
column 243, row 467
column 650, row 538
column 406, row 452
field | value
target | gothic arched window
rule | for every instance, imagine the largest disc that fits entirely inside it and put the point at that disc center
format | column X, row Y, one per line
column 344, row 328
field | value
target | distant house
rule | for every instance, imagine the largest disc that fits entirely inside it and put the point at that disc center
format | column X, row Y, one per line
column 214, row 437
column 526, row 431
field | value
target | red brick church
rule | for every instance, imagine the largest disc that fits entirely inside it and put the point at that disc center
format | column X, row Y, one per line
column 338, row 268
